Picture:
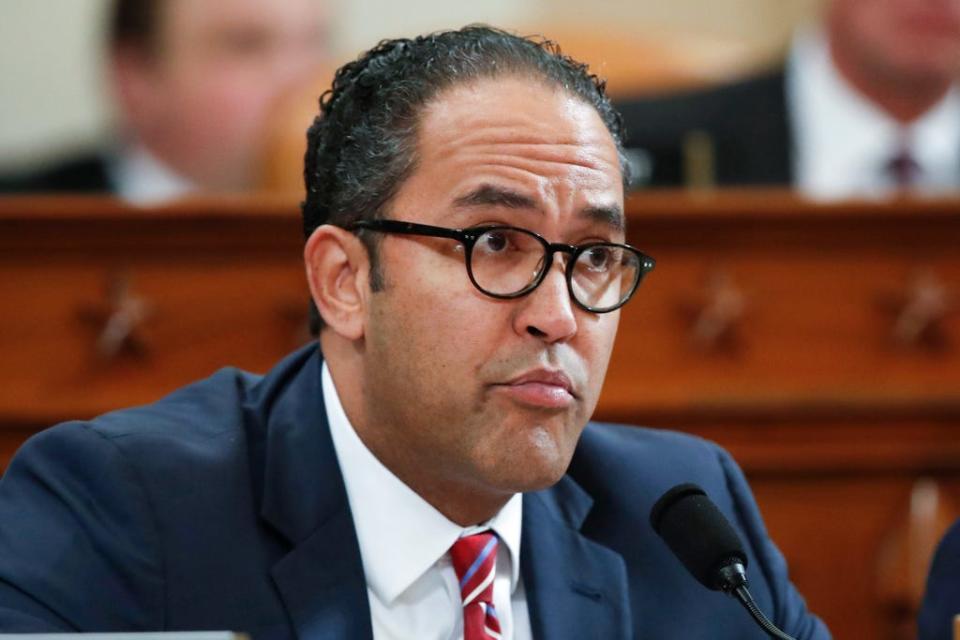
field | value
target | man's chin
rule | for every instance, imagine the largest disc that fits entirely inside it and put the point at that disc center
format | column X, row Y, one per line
column 531, row 454
column 541, row 482
column 537, row 472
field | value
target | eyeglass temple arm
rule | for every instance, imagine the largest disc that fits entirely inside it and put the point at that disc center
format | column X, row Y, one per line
column 412, row 228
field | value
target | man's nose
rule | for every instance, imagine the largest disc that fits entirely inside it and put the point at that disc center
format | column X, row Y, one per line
column 547, row 312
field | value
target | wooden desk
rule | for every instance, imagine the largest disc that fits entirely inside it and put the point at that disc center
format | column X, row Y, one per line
column 820, row 344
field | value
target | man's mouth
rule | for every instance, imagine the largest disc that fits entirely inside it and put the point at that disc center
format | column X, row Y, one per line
column 541, row 388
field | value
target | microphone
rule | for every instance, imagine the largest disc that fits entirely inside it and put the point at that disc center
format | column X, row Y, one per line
column 708, row 546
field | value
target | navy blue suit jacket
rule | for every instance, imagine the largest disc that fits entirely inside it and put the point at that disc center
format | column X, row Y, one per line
column 222, row 506
column 942, row 599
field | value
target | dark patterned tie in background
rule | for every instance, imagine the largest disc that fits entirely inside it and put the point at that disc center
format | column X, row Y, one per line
column 903, row 169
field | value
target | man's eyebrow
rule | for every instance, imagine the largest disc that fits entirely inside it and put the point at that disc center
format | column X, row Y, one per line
column 487, row 195
column 490, row 195
column 611, row 216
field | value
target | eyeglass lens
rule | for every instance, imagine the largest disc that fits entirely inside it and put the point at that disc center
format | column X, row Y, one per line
column 509, row 261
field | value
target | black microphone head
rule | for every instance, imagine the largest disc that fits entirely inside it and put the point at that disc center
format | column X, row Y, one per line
column 699, row 535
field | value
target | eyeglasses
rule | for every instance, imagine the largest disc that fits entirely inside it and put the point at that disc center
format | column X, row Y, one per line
column 508, row 262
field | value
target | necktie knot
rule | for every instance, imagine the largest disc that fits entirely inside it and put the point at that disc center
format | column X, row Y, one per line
column 903, row 168
column 474, row 561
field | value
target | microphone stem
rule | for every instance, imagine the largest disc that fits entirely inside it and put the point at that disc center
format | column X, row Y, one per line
column 743, row 595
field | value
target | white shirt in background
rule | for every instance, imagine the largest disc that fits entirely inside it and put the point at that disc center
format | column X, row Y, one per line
column 844, row 143
column 140, row 178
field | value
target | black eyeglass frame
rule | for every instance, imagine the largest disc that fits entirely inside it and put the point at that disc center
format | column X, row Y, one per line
column 468, row 238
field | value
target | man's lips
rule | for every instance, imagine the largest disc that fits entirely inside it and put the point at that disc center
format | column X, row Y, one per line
column 541, row 388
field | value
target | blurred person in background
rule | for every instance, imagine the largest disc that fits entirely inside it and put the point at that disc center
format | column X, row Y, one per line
column 866, row 104
column 193, row 83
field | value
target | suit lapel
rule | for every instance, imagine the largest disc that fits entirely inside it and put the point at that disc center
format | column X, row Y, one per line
column 321, row 579
column 323, row 587
column 575, row 587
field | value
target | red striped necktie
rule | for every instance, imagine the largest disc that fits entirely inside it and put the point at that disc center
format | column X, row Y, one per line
column 474, row 559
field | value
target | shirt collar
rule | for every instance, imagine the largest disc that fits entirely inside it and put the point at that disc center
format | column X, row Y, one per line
column 936, row 139
column 400, row 534
column 843, row 140
column 141, row 178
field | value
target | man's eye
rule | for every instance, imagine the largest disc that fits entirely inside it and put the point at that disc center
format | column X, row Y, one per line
column 598, row 257
column 494, row 241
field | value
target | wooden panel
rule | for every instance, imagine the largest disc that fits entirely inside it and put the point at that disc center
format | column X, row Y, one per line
column 834, row 491
column 819, row 344
column 212, row 290
column 196, row 316
column 821, row 295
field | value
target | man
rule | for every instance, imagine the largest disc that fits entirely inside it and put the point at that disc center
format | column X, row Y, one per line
column 194, row 83
column 866, row 105
column 428, row 476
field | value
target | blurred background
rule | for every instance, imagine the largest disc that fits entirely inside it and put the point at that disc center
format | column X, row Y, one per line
column 55, row 98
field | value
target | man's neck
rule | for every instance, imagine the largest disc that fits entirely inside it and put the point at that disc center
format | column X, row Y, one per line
column 903, row 98
column 458, row 500
column 461, row 505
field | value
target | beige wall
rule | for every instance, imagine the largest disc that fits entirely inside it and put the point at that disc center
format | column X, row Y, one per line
column 752, row 20
column 51, row 94
column 50, row 91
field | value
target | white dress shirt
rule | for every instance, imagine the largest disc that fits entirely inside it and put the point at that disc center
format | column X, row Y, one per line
column 140, row 178
column 404, row 544
column 844, row 142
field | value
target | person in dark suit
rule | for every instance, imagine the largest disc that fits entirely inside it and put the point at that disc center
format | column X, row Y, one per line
column 865, row 104
column 193, row 84
column 746, row 127
column 941, row 601
column 427, row 470
column 85, row 173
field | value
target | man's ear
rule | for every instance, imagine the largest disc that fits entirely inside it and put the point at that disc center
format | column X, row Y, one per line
column 338, row 271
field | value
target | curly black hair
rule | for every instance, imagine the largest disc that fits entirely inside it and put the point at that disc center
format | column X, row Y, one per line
column 362, row 145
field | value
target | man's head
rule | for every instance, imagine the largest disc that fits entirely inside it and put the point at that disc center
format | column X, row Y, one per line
column 464, row 396
column 195, row 80
column 909, row 42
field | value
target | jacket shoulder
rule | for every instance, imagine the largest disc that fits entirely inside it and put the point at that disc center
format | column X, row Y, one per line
column 626, row 469
column 201, row 409
column 651, row 452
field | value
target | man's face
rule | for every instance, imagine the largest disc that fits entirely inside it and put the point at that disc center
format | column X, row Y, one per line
column 909, row 40
column 466, row 390
column 219, row 65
